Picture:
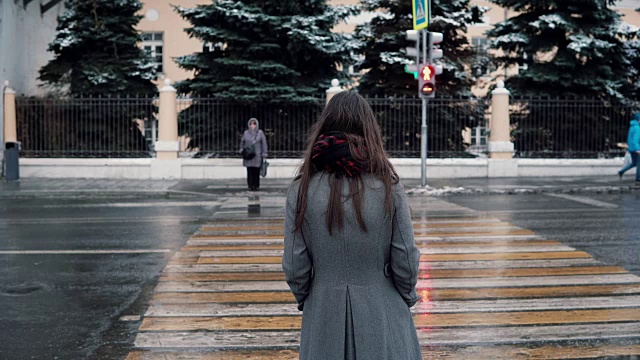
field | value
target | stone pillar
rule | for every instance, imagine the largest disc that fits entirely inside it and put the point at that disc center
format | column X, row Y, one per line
column 334, row 89
column 500, row 145
column 10, row 132
column 167, row 146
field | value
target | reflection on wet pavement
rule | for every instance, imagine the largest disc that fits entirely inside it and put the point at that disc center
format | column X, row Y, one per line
column 77, row 265
column 253, row 206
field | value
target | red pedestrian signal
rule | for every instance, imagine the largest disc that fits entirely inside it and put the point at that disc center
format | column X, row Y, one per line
column 427, row 80
column 427, row 73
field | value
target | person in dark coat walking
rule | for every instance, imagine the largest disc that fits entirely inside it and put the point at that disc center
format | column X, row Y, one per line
column 254, row 136
column 350, row 258
column 633, row 143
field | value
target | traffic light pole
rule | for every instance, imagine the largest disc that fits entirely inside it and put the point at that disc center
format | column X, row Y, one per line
column 423, row 133
column 423, row 141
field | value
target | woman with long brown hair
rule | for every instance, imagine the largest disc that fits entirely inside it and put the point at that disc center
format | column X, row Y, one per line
column 349, row 254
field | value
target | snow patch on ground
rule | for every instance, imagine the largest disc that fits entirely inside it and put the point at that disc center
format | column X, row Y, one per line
column 448, row 190
column 431, row 191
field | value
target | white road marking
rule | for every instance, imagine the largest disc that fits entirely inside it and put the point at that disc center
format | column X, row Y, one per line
column 82, row 252
column 455, row 283
column 585, row 200
column 90, row 220
column 134, row 204
column 425, row 250
column 130, row 318
column 448, row 265
column 511, row 212
column 427, row 336
column 422, row 307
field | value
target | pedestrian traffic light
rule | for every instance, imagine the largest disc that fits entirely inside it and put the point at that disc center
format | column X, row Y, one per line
column 427, row 80
column 425, row 52
column 429, row 69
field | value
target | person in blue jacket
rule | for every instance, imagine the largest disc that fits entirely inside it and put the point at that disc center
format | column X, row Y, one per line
column 633, row 143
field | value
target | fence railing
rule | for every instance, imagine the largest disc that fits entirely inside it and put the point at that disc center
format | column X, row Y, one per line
column 568, row 128
column 209, row 127
column 213, row 128
column 448, row 120
column 92, row 127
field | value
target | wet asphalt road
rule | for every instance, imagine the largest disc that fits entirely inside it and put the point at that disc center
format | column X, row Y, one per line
column 69, row 306
column 607, row 226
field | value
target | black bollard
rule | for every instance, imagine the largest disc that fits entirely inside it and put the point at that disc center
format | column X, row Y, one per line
column 12, row 161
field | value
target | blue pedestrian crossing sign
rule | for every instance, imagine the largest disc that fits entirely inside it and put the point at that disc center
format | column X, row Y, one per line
column 421, row 14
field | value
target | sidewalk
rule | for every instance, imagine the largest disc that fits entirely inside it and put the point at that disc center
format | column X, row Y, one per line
column 31, row 188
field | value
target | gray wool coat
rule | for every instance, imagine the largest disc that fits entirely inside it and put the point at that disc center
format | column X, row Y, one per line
column 355, row 288
column 261, row 146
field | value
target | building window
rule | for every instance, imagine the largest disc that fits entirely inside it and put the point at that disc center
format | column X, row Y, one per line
column 153, row 44
column 479, row 136
column 480, row 42
column 524, row 64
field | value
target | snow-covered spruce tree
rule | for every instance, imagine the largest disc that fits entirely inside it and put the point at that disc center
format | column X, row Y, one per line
column 266, row 50
column 96, row 53
column 632, row 49
column 383, row 43
column 96, row 50
column 571, row 48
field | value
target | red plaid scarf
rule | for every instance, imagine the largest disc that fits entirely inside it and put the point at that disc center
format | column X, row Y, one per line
column 331, row 152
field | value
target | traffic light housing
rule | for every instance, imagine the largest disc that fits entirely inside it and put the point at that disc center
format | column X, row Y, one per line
column 427, row 80
column 426, row 52
column 411, row 51
column 429, row 69
column 434, row 52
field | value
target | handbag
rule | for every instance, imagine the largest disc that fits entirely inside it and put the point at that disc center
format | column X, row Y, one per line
column 249, row 152
column 263, row 168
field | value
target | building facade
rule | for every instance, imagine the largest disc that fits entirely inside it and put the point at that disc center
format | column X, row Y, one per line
column 164, row 35
column 26, row 29
column 163, row 31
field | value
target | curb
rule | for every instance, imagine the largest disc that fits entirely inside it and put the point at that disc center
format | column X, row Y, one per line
column 49, row 194
column 416, row 191
column 124, row 194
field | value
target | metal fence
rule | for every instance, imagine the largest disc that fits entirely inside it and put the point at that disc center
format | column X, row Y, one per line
column 85, row 127
column 448, row 119
column 568, row 128
column 213, row 128
column 126, row 126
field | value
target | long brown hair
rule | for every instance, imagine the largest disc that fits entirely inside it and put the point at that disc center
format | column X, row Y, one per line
column 350, row 113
